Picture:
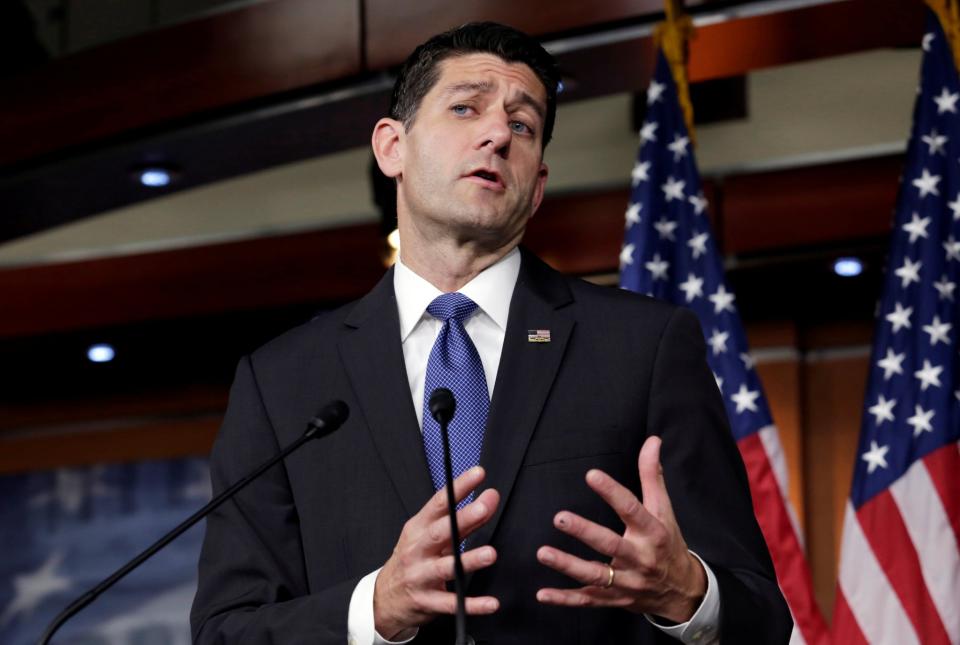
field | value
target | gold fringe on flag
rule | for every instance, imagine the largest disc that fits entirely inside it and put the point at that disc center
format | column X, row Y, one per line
column 672, row 36
column 949, row 14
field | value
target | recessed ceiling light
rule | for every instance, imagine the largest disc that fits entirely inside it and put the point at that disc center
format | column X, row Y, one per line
column 100, row 353
column 848, row 267
column 155, row 177
column 155, row 174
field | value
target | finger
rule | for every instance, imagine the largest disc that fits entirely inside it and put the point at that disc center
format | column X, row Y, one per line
column 652, row 485
column 621, row 500
column 583, row 597
column 597, row 537
column 462, row 486
column 473, row 560
column 469, row 519
column 445, row 602
column 585, row 572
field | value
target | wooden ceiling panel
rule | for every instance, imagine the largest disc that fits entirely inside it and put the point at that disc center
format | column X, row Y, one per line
column 394, row 28
column 739, row 46
column 179, row 71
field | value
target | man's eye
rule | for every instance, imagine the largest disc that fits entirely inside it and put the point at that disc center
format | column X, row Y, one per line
column 460, row 110
column 520, row 127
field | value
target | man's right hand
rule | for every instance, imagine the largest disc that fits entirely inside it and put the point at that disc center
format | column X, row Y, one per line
column 411, row 588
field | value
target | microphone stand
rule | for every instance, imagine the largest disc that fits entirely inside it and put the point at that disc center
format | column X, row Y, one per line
column 442, row 406
column 327, row 420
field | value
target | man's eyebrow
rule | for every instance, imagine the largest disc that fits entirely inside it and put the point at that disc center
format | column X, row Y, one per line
column 477, row 87
column 526, row 99
column 483, row 87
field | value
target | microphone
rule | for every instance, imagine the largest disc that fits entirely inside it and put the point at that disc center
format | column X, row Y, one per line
column 328, row 419
column 442, row 407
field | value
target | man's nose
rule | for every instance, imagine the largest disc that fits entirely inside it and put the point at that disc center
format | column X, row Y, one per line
column 496, row 133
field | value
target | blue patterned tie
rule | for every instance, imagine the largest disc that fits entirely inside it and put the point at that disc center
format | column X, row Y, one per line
column 455, row 364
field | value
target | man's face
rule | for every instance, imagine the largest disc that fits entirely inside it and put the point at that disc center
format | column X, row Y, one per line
column 471, row 163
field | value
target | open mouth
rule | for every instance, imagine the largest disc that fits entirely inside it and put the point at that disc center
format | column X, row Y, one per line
column 487, row 178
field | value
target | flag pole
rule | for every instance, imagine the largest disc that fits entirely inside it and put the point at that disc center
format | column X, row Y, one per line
column 672, row 37
column 948, row 11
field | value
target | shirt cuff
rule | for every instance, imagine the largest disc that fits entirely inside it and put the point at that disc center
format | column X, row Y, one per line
column 703, row 628
column 361, row 628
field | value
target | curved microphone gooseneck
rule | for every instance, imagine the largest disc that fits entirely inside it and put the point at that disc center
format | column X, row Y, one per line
column 328, row 419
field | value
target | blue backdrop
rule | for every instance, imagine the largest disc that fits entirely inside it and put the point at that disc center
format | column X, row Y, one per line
column 63, row 531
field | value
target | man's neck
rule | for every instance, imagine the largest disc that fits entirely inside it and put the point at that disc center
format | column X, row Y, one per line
column 449, row 267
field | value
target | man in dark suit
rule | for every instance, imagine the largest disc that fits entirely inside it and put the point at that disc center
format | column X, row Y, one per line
column 349, row 540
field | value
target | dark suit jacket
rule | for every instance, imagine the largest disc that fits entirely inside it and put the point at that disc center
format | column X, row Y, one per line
column 280, row 562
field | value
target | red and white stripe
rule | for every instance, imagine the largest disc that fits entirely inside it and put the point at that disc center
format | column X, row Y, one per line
column 900, row 559
column 766, row 469
column 778, row 463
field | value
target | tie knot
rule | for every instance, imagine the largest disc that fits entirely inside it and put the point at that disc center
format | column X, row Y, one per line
column 451, row 305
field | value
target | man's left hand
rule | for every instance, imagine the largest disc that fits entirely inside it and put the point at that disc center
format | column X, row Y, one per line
column 651, row 570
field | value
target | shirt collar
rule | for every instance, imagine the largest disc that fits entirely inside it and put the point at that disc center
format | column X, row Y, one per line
column 491, row 289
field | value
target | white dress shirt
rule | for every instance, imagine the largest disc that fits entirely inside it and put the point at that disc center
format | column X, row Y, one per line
column 492, row 291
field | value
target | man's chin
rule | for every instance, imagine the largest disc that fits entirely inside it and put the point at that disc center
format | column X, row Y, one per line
column 491, row 232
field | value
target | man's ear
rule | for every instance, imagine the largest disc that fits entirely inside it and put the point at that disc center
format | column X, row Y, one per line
column 387, row 143
column 541, row 185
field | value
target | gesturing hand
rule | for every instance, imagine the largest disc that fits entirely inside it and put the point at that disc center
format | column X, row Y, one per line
column 410, row 589
column 651, row 570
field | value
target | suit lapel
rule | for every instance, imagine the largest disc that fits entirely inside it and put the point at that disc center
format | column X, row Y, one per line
column 524, row 378
column 372, row 354
column 371, row 351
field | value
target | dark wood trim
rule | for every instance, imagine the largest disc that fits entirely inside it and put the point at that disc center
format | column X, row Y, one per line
column 809, row 206
column 84, row 414
column 162, row 440
column 320, row 266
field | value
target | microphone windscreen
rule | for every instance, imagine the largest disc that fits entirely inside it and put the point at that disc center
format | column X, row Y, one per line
column 331, row 416
column 442, row 405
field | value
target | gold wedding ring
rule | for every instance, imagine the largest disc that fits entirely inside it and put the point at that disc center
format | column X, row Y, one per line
column 610, row 575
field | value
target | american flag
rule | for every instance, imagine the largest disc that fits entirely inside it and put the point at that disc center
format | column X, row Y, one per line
column 669, row 253
column 63, row 531
column 899, row 578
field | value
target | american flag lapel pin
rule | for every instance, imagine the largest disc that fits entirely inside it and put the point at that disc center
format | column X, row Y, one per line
column 538, row 335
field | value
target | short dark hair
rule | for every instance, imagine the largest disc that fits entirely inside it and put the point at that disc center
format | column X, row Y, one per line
column 420, row 73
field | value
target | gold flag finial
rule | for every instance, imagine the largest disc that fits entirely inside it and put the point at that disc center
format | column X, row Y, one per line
column 672, row 37
column 949, row 14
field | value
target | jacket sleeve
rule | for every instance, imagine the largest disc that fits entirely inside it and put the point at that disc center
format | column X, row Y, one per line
column 253, row 585
column 708, row 486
